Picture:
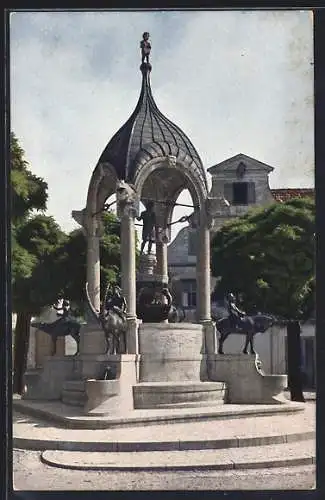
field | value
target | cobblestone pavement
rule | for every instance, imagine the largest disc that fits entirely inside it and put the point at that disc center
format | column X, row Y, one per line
column 31, row 474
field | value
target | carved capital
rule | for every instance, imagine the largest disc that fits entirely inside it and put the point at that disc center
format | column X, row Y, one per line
column 194, row 220
column 215, row 207
column 127, row 200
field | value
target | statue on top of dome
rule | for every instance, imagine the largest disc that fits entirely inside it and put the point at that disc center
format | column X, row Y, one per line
column 145, row 46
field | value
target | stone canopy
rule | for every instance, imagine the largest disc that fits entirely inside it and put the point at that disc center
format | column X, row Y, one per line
column 143, row 152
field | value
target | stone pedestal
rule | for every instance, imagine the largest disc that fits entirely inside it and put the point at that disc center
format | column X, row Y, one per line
column 170, row 352
column 47, row 383
column 113, row 397
column 162, row 263
column 246, row 382
column 146, row 270
column 92, row 339
column 172, row 370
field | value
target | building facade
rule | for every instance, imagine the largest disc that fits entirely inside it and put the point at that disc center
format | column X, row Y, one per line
column 244, row 182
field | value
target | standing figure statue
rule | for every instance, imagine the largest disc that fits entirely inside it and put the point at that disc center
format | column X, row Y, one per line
column 145, row 46
column 235, row 314
column 148, row 217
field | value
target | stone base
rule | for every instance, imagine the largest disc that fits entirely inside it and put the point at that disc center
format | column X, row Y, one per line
column 108, row 397
column 47, row 383
column 170, row 352
column 149, row 395
column 92, row 339
column 246, row 382
column 73, row 392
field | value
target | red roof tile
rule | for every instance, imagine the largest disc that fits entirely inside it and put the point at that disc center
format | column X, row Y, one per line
column 283, row 195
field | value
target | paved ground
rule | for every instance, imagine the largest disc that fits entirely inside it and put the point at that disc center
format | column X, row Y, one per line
column 31, row 474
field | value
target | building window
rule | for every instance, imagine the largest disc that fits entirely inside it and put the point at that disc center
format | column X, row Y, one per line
column 189, row 294
column 240, row 193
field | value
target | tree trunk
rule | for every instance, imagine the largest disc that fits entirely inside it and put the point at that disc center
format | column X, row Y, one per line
column 21, row 342
column 294, row 361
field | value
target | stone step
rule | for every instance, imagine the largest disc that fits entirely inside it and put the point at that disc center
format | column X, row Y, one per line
column 278, row 455
column 73, row 393
column 149, row 395
column 191, row 404
column 233, row 433
column 72, row 418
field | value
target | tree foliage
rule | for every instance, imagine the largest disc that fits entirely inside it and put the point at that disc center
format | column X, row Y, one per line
column 28, row 192
column 268, row 256
column 34, row 235
column 66, row 267
column 46, row 261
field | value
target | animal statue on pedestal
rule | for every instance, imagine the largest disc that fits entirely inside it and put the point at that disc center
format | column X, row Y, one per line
column 112, row 318
column 66, row 325
column 241, row 324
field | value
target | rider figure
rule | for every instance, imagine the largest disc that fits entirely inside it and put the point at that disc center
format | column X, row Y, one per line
column 65, row 308
column 235, row 314
column 116, row 302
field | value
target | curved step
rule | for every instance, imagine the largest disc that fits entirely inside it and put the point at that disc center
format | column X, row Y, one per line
column 278, row 455
column 69, row 417
column 246, row 432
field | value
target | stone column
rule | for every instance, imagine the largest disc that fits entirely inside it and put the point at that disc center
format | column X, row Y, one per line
column 93, row 269
column 93, row 230
column 128, row 263
column 203, row 292
column 127, row 209
column 92, row 338
column 162, row 263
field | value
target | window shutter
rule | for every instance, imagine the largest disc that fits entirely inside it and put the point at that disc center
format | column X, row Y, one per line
column 251, row 195
column 228, row 192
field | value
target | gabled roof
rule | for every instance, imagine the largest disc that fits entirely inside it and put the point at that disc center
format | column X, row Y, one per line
column 233, row 162
column 286, row 194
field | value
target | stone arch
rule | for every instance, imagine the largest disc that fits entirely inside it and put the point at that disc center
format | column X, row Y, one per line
column 154, row 156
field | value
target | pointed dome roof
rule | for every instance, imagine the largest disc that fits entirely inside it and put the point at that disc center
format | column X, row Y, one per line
column 146, row 126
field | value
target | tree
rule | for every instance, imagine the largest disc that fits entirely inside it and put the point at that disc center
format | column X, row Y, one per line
column 35, row 240
column 66, row 266
column 33, row 237
column 268, row 257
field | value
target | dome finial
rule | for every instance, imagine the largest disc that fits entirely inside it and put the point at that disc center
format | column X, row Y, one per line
column 145, row 46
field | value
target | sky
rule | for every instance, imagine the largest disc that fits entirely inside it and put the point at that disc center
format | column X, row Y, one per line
column 233, row 81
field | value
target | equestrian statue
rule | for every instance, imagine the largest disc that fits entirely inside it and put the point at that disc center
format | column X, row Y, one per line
column 66, row 325
column 239, row 323
column 112, row 318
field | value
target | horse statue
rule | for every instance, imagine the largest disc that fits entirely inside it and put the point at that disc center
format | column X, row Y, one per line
column 250, row 326
column 62, row 327
column 238, row 322
column 112, row 318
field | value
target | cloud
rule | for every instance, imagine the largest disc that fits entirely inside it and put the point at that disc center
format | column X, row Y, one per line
column 233, row 81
